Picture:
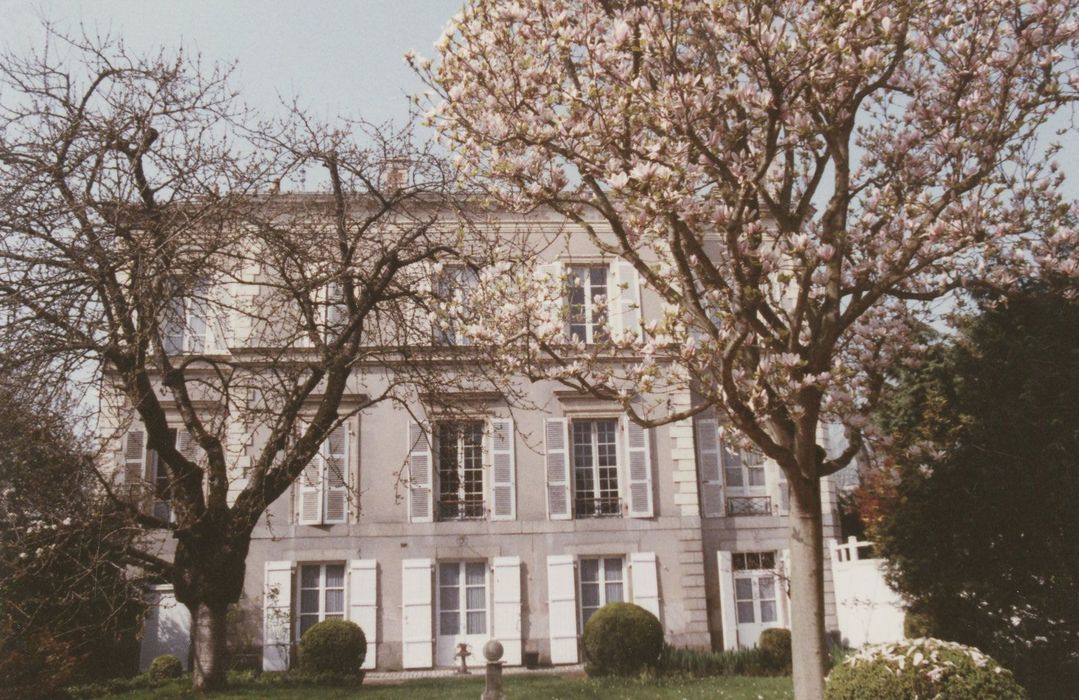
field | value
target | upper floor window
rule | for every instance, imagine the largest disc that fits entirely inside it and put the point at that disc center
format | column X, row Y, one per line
column 322, row 595
column 460, row 470
column 595, row 468
column 588, row 302
column 746, row 480
column 454, row 286
column 602, row 581
column 185, row 326
column 323, row 485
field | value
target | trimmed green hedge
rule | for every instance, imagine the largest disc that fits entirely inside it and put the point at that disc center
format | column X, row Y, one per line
column 333, row 646
column 621, row 639
column 775, row 645
column 165, row 667
column 922, row 668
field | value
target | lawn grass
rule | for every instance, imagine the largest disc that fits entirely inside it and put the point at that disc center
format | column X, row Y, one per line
column 517, row 688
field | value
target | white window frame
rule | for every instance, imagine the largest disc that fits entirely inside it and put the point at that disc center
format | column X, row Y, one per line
column 455, row 280
column 593, row 328
column 754, row 576
column 597, row 494
column 602, row 582
column 322, row 589
column 750, row 464
column 462, row 587
column 459, row 468
column 187, row 312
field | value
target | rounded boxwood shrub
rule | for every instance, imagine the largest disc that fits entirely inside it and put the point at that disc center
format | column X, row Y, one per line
column 775, row 646
column 921, row 668
column 333, row 646
column 165, row 667
column 621, row 639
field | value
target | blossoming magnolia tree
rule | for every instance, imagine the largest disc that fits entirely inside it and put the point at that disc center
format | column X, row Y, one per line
column 796, row 180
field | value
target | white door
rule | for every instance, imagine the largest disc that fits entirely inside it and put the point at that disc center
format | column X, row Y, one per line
column 462, row 611
column 755, row 591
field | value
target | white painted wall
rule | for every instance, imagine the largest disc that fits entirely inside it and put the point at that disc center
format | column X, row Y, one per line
column 166, row 630
column 868, row 611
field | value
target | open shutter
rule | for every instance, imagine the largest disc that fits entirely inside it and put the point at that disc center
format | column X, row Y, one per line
column 420, row 475
column 555, row 306
column 334, row 453
column 134, row 458
column 713, row 504
column 726, row 601
column 557, row 449
column 784, row 490
column 417, row 634
column 507, row 607
column 625, row 299
column 783, row 581
column 562, row 608
column 363, row 604
column 503, row 471
column 277, row 615
column 310, row 502
column 645, row 579
column 639, row 459
column 187, row 446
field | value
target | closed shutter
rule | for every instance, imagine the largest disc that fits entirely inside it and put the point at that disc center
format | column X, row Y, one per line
column 507, row 607
column 277, row 615
column 310, row 505
column 134, row 458
column 783, row 581
column 187, row 446
column 334, row 453
column 639, row 458
column 503, row 471
column 562, row 608
column 726, row 601
column 713, row 504
column 420, row 475
column 363, row 604
column 644, row 575
column 417, row 636
column 557, row 458
column 626, row 300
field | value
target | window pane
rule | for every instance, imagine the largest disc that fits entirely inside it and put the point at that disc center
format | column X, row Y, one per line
column 734, row 477
column 449, row 623
column 307, row 622
column 449, row 575
column 743, row 589
column 475, row 598
column 738, row 561
column 335, row 601
column 335, row 576
column 768, row 560
column 309, row 577
column 731, row 458
column 309, row 601
column 614, row 592
column 756, row 476
column 449, row 598
column 613, row 569
column 475, row 573
column 589, row 595
column 767, row 586
column 587, row 613
column 753, row 560
column 477, row 622
column 745, row 612
column 768, row 611
column 589, row 569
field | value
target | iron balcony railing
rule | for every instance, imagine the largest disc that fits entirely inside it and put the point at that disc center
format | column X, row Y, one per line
column 597, row 507
column 749, row 505
column 461, row 509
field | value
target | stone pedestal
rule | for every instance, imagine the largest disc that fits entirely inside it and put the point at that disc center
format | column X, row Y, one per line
column 492, row 651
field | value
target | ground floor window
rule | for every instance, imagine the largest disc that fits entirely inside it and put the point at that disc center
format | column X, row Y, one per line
column 462, row 598
column 322, row 594
column 602, row 581
column 755, row 587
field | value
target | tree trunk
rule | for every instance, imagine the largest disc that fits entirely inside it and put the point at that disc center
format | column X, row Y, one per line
column 808, row 644
column 210, row 653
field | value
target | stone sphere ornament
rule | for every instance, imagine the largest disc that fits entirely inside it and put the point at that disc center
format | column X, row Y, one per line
column 492, row 650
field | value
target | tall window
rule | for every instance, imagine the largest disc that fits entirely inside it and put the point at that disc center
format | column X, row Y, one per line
column 602, row 581
column 185, row 326
column 455, row 285
column 588, row 302
column 460, row 470
column 462, row 598
column 755, row 586
column 159, row 477
column 743, row 471
column 322, row 594
column 595, row 468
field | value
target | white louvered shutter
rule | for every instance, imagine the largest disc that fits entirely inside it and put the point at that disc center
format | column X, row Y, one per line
column 726, row 601
column 555, row 307
column 644, row 576
column 639, row 469
column 277, row 615
column 363, row 604
column 134, row 457
column 783, row 582
column 310, row 499
column 713, row 504
column 625, row 307
column 784, row 490
column 334, row 454
column 507, row 607
column 556, row 436
column 562, row 608
column 417, row 634
column 420, row 475
column 503, row 470
column 187, row 446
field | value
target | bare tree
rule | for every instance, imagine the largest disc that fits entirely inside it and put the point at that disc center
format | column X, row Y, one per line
column 150, row 244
